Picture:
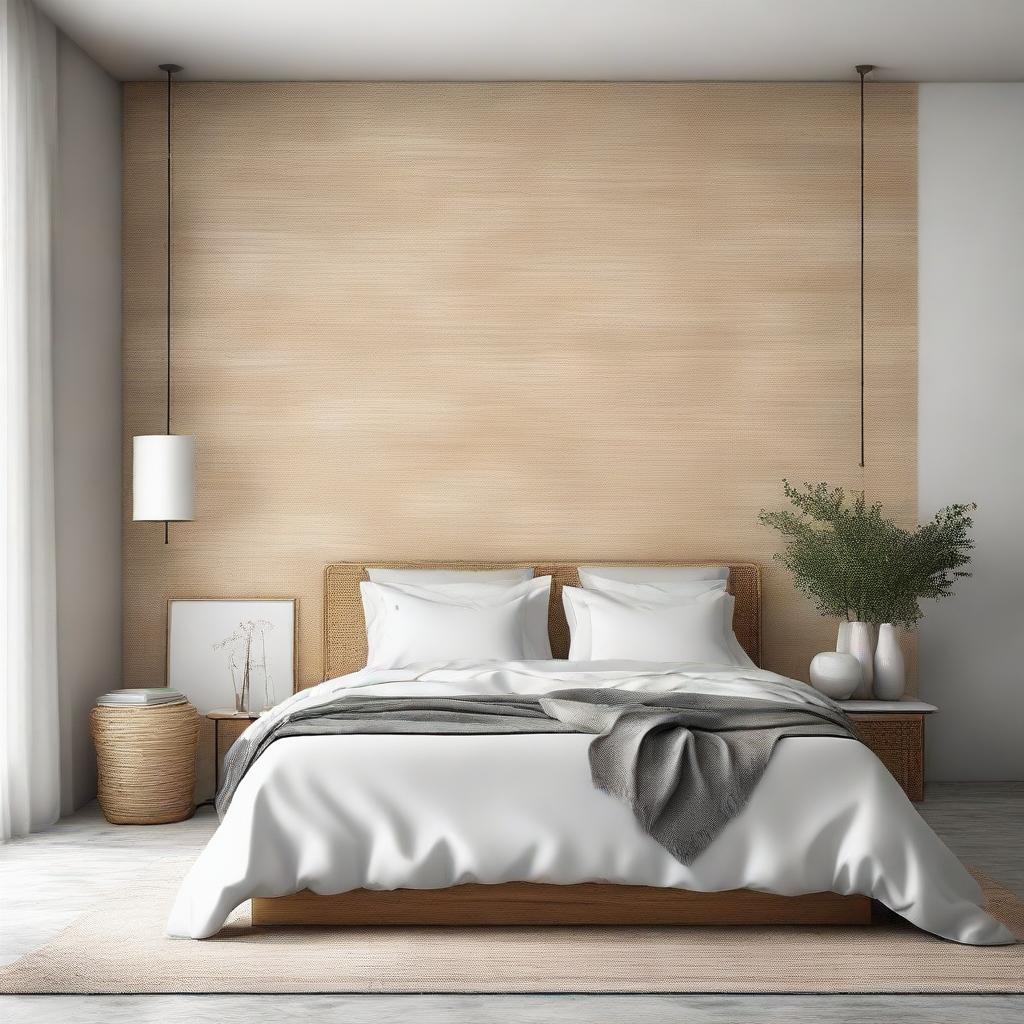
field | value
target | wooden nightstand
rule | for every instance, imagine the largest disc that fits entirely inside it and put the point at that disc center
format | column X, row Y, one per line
column 894, row 730
column 227, row 727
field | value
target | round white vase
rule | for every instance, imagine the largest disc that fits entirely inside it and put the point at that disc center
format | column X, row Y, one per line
column 890, row 668
column 835, row 674
column 862, row 647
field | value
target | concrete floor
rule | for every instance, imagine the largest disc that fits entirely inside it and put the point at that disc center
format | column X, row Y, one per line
column 47, row 879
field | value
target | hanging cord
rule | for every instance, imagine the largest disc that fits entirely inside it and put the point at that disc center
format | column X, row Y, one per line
column 171, row 69
column 862, row 70
column 169, row 80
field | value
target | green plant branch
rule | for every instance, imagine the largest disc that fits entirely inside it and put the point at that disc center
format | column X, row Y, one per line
column 852, row 561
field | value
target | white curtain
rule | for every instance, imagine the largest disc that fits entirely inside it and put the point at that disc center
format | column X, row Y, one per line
column 29, row 748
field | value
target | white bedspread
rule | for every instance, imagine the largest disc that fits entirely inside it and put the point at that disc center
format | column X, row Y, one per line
column 333, row 813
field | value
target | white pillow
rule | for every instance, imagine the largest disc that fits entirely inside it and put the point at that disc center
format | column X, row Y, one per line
column 452, row 621
column 662, row 591
column 579, row 619
column 591, row 576
column 680, row 629
column 425, row 577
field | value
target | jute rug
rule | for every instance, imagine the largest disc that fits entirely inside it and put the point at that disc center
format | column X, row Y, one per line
column 119, row 947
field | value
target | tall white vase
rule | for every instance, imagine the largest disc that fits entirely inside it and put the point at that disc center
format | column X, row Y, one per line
column 843, row 637
column 862, row 647
column 890, row 669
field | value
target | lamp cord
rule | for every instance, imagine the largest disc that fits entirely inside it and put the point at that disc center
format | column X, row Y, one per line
column 169, row 252
column 168, row 396
column 862, row 70
column 861, row 276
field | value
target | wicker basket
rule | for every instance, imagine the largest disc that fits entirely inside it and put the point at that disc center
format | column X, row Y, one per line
column 146, row 758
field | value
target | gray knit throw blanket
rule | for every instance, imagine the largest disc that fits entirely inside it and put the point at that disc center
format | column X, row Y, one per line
column 685, row 763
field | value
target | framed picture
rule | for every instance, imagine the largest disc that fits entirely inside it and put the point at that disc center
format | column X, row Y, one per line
column 232, row 654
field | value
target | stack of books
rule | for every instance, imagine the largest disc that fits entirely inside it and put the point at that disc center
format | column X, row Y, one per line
column 141, row 698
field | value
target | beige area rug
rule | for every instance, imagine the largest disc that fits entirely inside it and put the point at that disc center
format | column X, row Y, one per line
column 119, row 947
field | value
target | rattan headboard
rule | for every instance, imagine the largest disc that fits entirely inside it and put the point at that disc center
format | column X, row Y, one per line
column 345, row 629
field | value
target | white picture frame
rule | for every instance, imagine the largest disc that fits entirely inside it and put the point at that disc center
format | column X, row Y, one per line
column 209, row 639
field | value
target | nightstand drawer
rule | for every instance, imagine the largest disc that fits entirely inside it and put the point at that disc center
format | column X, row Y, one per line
column 898, row 742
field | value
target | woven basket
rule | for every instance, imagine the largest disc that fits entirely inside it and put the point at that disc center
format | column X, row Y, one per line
column 147, row 762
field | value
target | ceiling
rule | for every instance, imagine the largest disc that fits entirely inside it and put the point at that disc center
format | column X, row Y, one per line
column 794, row 40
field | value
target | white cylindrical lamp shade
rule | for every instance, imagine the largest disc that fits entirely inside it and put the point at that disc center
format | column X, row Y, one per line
column 162, row 477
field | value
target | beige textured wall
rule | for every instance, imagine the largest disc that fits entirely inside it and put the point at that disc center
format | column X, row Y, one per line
column 568, row 321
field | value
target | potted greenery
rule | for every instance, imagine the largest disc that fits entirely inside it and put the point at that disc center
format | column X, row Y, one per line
column 864, row 569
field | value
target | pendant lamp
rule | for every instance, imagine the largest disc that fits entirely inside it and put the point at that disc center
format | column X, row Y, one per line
column 862, row 70
column 163, row 483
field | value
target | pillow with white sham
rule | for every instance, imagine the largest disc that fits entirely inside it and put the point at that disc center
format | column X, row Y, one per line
column 578, row 616
column 684, row 629
column 592, row 577
column 428, row 577
column 452, row 621
column 661, row 591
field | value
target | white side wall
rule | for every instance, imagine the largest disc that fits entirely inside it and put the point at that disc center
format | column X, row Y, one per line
column 971, row 418
column 87, row 406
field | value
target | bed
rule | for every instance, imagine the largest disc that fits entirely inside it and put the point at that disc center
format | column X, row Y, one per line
column 505, row 830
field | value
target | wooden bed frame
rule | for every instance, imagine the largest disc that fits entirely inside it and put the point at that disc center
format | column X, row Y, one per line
column 528, row 903
column 523, row 903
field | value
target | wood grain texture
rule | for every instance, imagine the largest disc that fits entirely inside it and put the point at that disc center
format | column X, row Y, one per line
column 525, row 903
column 497, row 321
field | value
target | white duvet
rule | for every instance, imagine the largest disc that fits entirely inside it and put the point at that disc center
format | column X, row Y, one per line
column 333, row 813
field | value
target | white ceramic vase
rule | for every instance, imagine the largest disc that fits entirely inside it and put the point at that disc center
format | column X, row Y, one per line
column 890, row 668
column 835, row 674
column 843, row 637
column 860, row 642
